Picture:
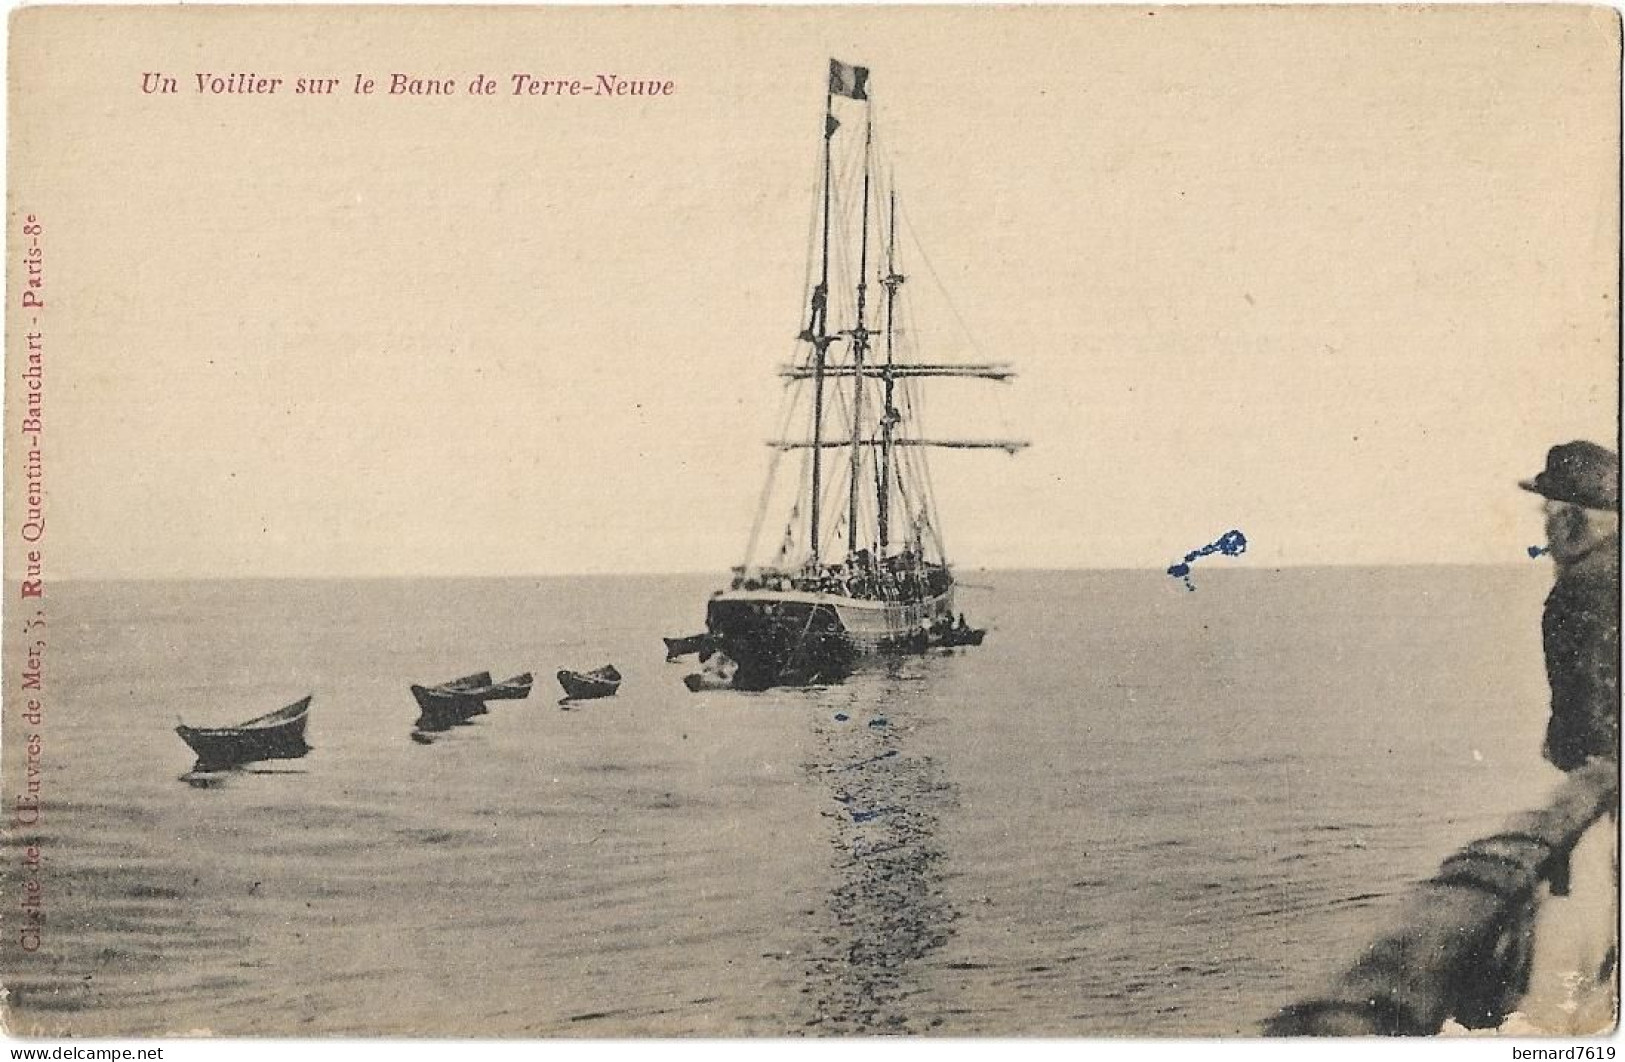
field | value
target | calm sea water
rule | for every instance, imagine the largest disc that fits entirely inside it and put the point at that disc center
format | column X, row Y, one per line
column 1134, row 810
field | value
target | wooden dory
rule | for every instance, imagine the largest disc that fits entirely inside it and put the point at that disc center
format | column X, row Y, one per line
column 587, row 685
column 450, row 703
column 514, row 689
column 955, row 636
column 676, row 648
column 278, row 735
column 459, row 700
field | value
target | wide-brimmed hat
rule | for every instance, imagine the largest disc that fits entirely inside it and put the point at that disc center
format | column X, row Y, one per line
column 1582, row 473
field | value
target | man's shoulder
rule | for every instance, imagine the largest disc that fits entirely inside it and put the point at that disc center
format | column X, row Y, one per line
column 1590, row 589
column 1597, row 571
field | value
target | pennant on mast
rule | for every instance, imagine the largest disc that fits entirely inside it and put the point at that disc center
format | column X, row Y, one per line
column 849, row 81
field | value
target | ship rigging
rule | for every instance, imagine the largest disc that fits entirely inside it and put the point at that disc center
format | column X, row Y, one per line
column 860, row 566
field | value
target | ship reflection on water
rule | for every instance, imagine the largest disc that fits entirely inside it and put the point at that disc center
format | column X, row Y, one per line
column 888, row 906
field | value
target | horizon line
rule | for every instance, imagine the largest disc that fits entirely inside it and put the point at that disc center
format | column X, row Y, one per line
column 725, row 573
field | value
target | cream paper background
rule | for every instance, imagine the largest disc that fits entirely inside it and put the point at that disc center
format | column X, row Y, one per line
column 1335, row 276
column 1338, row 276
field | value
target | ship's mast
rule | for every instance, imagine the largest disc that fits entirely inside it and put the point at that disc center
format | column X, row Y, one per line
column 851, row 83
column 860, row 346
column 817, row 333
column 888, row 418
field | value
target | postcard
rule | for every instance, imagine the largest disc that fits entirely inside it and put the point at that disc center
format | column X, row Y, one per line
column 967, row 521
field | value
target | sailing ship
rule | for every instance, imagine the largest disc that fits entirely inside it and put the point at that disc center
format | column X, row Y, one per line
column 861, row 567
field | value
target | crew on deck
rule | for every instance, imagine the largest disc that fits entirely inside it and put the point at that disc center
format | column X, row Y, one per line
column 905, row 576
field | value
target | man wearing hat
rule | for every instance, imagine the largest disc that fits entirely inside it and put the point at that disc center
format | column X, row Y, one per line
column 1580, row 625
column 1572, row 982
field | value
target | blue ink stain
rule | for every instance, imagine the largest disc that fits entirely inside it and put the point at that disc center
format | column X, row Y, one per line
column 1536, row 551
column 1230, row 544
column 841, row 717
column 878, row 721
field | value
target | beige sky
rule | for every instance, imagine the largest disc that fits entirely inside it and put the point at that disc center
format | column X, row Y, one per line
column 1336, row 278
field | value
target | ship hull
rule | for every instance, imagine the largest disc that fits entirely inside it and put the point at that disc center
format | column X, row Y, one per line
column 789, row 637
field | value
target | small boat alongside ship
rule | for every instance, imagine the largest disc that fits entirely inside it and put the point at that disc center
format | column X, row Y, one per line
column 590, row 685
column 717, row 673
column 278, row 735
column 960, row 634
column 687, row 645
column 875, row 579
column 956, row 638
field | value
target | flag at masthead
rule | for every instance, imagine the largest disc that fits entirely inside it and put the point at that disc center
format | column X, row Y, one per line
column 849, row 81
